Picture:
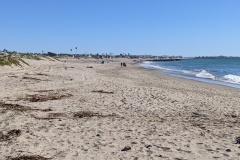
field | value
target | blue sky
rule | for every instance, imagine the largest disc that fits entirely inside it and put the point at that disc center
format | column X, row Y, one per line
column 157, row 27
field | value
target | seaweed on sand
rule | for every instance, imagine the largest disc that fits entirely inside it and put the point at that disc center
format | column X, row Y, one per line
column 82, row 114
column 101, row 91
column 79, row 114
column 45, row 97
column 10, row 135
column 51, row 116
column 33, row 157
column 18, row 107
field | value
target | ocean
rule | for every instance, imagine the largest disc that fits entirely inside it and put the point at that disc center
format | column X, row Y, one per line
column 223, row 71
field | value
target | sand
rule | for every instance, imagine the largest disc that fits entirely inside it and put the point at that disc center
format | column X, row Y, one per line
column 66, row 110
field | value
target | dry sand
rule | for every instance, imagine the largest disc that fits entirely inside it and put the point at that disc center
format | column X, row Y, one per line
column 68, row 111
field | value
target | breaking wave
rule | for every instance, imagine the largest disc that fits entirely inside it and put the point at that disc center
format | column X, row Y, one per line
column 232, row 78
column 205, row 74
column 194, row 74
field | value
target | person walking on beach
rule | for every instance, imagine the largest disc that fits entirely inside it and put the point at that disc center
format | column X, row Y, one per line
column 121, row 64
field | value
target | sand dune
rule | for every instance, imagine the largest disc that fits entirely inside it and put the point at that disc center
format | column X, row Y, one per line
column 108, row 112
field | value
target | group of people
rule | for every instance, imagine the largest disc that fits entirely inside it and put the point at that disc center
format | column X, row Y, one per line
column 123, row 64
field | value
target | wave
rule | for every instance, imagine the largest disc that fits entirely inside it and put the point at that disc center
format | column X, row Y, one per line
column 149, row 65
column 232, row 78
column 205, row 74
column 192, row 73
column 147, row 62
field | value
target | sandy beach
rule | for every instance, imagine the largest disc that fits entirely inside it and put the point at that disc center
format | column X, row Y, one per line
column 80, row 109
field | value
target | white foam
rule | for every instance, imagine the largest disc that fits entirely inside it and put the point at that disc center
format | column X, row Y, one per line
column 232, row 78
column 160, row 67
column 149, row 65
column 147, row 62
column 189, row 72
column 205, row 74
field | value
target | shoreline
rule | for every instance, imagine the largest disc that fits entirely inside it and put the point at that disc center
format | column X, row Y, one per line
column 189, row 80
column 114, row 112
column 197, row 79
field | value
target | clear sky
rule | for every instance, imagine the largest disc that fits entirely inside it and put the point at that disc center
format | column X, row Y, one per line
column 157, row 27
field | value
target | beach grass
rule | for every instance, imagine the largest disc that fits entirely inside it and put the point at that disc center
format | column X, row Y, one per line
column 38, row 57
column 8, row 60
column 31, row 56
column 17, row 59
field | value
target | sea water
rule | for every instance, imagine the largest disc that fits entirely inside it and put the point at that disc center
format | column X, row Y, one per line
column 224, row 71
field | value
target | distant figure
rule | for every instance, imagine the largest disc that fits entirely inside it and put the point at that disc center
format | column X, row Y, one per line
column 121, row 64
column 124, row 64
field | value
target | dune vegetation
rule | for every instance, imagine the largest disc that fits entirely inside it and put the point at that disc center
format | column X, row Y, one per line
column 9, row 60
column 15, row 59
